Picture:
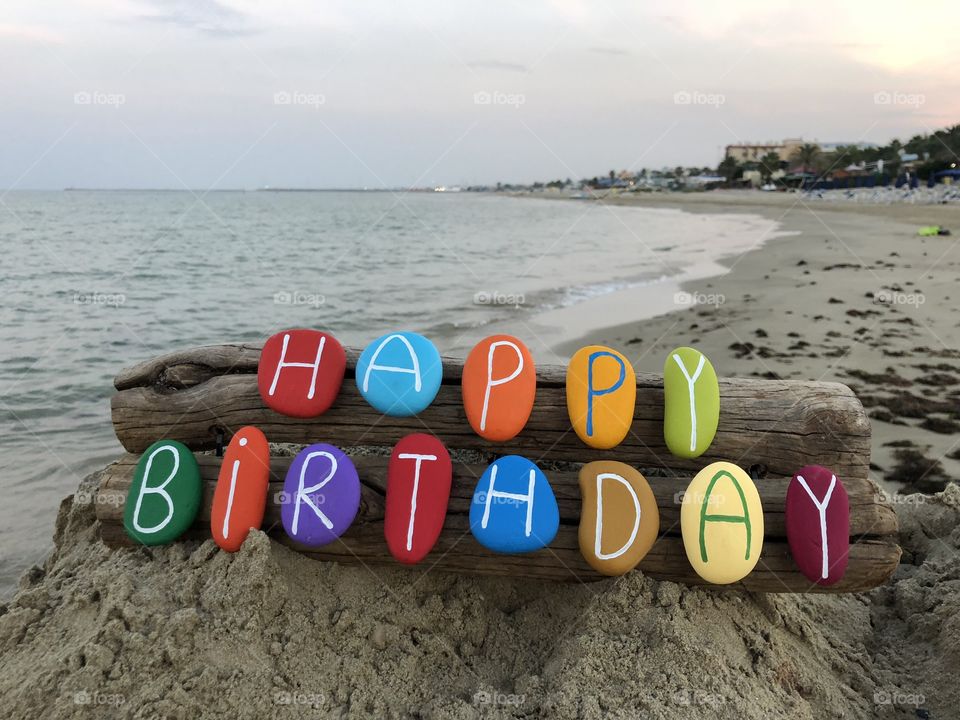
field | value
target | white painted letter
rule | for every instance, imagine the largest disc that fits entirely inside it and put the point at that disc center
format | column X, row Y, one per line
column 528, row 498
column 415, row 370
column 303, row 494
column 691, row 381
column 283, row 364
column 636, row 523
column 491, row 383
column 822, row 509
column 159, row 490
column 416, row 488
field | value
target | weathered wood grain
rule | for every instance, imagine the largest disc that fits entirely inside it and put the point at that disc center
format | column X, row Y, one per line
column 194, row 395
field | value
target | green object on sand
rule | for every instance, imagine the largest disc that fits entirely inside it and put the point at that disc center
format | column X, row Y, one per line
column 165, row 494
column 929, row 231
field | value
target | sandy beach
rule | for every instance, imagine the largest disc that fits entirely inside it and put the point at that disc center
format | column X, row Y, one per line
column 188, row 631
column 850, row 293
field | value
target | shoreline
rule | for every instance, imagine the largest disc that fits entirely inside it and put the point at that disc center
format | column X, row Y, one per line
column 849, row 293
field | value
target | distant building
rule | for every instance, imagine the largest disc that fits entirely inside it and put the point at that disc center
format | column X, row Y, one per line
column 752, row 152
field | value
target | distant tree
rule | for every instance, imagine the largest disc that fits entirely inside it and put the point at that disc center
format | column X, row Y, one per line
column 808, row 156
column 612, row 176
column 769, row 164
column 729, row 169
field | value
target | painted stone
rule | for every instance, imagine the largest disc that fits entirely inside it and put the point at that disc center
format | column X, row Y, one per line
column 418, row 489
column 619, row 519
column 399, row 374
column 817, row 516
column 721, row 520
column 242, row 485
column 499, row 386
column 300, row 372
column 165, row 495
column 513, row 508
column 601, row 395
column 321, row 495
column 691, row 400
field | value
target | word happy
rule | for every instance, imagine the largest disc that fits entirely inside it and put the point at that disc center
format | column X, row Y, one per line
column 513, row 508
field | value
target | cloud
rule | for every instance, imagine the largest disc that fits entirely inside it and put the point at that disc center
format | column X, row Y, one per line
column 210, row 17
column 497, row 65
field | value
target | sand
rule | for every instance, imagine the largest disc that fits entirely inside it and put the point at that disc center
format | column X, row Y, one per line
column 188, row 631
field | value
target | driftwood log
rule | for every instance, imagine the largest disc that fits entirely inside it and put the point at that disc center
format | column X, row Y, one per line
column 771, row 426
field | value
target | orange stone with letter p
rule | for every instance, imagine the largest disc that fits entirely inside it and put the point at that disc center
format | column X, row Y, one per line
column 499, row 387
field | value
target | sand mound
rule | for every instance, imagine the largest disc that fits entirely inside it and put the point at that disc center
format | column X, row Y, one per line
column 188, row 631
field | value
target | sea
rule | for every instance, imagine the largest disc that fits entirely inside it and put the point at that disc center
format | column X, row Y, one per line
column 95, row 281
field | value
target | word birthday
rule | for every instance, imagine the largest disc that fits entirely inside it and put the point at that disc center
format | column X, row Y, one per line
column 513, row 508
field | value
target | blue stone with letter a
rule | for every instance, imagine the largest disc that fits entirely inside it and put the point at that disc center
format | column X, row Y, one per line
column 399, row 374
column 514, row 509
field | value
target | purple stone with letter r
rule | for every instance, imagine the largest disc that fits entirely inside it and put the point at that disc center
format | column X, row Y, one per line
column 321, row 495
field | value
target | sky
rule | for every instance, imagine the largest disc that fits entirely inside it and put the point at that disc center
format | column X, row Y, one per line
column 219, row 94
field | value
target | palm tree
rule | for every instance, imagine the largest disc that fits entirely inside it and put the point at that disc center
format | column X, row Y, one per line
column 807, row 156
column 769, row 164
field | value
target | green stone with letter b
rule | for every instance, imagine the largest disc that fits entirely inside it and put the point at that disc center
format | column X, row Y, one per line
column 165, row 495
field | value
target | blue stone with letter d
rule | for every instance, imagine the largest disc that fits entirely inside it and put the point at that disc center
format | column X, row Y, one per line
column 513, row 508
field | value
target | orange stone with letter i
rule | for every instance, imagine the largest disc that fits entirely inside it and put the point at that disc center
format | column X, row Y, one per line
column 499, row 387
column 601, row 396
column 241, row 494
column 300, row 372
